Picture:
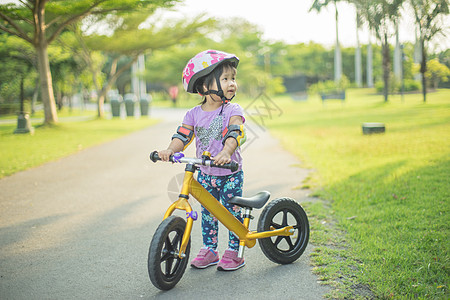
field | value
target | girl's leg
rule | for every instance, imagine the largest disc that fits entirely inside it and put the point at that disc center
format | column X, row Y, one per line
column 233, row 187
column 210, row 225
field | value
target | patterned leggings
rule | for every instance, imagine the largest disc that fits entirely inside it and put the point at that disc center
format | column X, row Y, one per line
column 223, row 188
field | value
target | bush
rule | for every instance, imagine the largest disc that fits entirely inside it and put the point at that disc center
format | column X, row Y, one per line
column 395, row 86
column 327, row 87
column 411, row 85
column 379, row 86
column 9, row 108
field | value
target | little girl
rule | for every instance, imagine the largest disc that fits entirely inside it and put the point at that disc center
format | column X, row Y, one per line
column 217, row 126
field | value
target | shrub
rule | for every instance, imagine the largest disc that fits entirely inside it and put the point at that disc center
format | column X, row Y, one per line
column 395, row 86
column 326, row 87
column 412, row 85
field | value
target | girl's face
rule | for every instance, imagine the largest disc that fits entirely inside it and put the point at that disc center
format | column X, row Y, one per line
column 227, row 82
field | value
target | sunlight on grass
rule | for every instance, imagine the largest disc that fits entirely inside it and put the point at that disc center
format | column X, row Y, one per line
column 22, row 151
column 389, row 192
column 63, row 113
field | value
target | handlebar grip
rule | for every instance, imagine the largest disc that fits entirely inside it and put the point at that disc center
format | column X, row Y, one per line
column 154, row 157
column 233, row 166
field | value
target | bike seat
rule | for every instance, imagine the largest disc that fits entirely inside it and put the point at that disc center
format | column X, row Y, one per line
column 256, row 201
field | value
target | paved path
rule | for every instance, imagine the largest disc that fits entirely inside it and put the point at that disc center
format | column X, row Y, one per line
column 80, row 227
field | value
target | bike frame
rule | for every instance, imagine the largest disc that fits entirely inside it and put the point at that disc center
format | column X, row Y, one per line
column 193, row 187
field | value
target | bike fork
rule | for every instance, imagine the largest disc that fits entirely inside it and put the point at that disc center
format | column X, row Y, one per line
column 247, row 217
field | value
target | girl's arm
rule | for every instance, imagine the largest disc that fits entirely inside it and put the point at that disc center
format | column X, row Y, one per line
column 176, row 145
column 224, row 156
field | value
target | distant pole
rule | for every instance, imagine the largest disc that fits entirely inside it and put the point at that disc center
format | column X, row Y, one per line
column 134, row 79
column 358, row 73
column 337, row 52
column 397, row 55
column 23, row 118
column 22, row 96
column 402, row 73
column 369, row 65
column 417, row 54
column 142, row 83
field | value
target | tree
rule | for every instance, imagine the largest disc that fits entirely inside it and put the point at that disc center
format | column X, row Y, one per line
column 317, row 5
column 131, row 39
column 18, row 60
column 90, row 61
column 426, row 13
column 40, row 22
column 437, row 72
column 66, row 70
column 310, row 59
column 381, row 16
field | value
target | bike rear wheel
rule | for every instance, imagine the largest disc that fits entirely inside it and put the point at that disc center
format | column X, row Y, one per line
column 165, row 267
column 277, row 214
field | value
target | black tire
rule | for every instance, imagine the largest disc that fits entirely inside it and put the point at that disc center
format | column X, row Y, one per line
column 278, row 214
column 165, row 268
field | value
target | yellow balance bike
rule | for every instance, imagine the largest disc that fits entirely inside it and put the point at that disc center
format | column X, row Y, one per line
column 283, row 227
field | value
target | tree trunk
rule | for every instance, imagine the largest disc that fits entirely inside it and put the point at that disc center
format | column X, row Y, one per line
column 397, row 56
column 48, row 98
column 101, row 105
column 40, row 44
column 102, row 93
column 369, row 65
column 337, row 51
column 114, row 75
column 35, row 96
column 100, row 101
column 386, row 67
column 423, row 69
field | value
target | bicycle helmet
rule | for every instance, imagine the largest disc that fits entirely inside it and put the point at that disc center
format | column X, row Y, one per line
column 202, row 65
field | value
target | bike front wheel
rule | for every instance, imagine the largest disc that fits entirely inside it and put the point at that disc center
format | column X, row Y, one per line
column 165, row 267
column 277, row 214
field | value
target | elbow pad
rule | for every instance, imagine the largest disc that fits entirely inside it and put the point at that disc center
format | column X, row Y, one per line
column 235, row 131
column 185, row 135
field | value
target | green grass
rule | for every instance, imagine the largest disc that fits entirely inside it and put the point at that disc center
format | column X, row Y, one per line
column 63, row 113
column 22, row 151
column 382, row 229
column 386, row 227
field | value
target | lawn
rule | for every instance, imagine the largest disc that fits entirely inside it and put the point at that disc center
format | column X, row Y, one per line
column 383, row 229
column 22, row 151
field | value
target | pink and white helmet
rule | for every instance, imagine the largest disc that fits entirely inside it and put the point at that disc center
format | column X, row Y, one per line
column 202, row 64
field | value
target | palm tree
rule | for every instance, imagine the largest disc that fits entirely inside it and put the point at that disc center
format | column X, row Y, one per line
column 426, row 14
column 381, row 16
column 358, row 59
column 317, row 5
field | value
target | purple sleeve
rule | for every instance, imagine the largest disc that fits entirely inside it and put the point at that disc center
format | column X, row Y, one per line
column 237, row 111
column 189, row 118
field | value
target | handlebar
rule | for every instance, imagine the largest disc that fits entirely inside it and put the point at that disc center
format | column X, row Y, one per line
column 233, row 166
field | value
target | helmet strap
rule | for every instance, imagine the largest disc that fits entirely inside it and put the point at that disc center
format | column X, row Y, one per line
column 219, row 92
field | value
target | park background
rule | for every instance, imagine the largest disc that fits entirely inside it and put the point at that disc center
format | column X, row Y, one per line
column 381, row 229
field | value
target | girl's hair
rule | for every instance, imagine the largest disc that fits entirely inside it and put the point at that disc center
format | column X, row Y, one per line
column 211, row 77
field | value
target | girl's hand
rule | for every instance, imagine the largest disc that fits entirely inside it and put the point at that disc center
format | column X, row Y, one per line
column 165, row 154
column 222, row 158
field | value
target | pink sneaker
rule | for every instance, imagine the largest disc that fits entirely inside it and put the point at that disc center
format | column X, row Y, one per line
column 205, row 258
column 230, row 261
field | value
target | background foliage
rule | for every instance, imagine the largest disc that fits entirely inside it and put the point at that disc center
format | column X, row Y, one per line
column 94, row 55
